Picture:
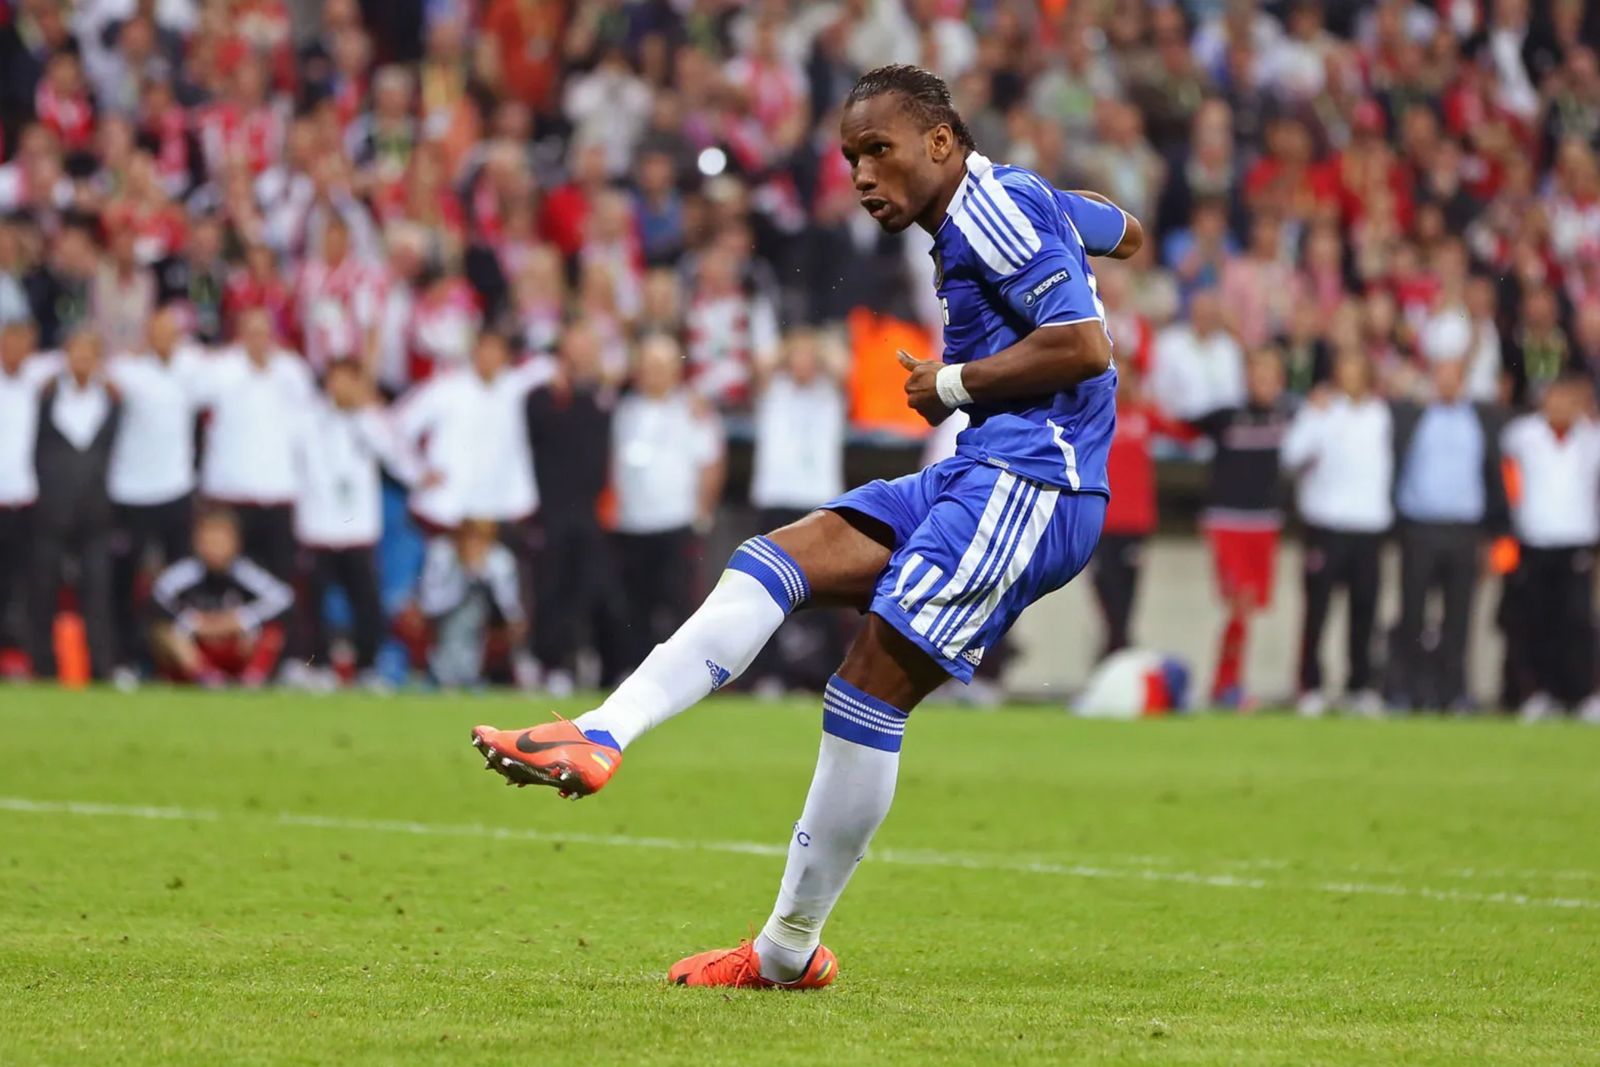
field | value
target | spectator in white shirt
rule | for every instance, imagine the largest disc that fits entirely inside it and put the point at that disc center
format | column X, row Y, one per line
column 257, row 393
column 78, row 416
column 1198, row 365
column 800, row 428
column 1557, row 523
column 22, row 376
column 338, row 516
column 470, row 594
column 667, row 472
column 151, row 481
column 470, row 424
column 1466, row 332
column 1339, row 451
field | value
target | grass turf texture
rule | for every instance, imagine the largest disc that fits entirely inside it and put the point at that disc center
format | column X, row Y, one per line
column 1208, row 891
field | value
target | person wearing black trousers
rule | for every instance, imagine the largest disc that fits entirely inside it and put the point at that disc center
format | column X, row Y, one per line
column 78, row 417
column 152, row 477
column 1450, row 496
column 1338, row 448
column 569, row 428
column 1551, row 630
column 258, row 394
column 339, row 518
column 667, row 470
column 23, row 374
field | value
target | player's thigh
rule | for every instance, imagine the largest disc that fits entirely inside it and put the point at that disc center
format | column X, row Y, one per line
column 841, row 553
column 844, row 546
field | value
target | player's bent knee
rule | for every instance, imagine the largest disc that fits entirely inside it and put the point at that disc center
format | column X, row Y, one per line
column 777, row 571
column 842, row 555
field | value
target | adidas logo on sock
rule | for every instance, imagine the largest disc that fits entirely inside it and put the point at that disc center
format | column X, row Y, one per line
column 719, row 675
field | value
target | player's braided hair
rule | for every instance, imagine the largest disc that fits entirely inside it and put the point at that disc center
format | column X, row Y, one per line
column 926, row 97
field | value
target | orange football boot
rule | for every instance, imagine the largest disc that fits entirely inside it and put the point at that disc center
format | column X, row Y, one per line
column 740, row 968
column 555, row 754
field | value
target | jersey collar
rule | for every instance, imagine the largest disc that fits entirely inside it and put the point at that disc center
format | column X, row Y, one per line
column 978, row 165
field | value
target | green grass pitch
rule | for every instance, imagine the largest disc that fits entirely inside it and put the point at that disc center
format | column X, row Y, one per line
column 189, row 878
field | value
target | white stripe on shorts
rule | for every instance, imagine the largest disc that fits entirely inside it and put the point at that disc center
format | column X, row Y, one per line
column 1038, row 520
column 1005, row 486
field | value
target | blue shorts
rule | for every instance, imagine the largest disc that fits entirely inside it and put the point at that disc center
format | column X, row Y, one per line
column 974, row 546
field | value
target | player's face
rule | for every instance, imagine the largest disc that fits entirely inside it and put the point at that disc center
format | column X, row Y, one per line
column 891, row 160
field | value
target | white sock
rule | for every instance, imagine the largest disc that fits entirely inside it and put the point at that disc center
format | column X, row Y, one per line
column 714, row 645
column 850, row 795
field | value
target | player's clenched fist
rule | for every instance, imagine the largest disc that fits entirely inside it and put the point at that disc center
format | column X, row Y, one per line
column 922, row 387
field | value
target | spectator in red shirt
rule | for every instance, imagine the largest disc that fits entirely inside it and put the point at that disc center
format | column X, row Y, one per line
column 62, row 102
column 566, row 209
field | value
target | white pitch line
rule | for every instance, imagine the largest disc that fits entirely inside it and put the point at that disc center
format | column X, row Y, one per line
column 896, row 857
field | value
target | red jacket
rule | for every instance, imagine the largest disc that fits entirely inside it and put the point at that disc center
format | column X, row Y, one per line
column 1132, row 511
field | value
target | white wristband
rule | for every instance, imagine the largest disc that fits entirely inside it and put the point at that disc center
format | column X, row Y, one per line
column 948, row 383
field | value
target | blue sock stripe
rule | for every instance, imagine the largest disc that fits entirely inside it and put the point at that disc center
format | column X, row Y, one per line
column 851, row 715
column 847, row 712
column 775, row 569
column 785, row 563
column 841, row 687
column 847, row 730
column 785, row 574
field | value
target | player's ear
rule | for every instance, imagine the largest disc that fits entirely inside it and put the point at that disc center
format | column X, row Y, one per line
column 941, row 142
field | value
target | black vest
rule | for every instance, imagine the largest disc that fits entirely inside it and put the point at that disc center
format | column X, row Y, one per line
column 72, row 482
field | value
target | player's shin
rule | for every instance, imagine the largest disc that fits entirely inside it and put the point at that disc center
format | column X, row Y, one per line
column 761, row 586
column 849, row 797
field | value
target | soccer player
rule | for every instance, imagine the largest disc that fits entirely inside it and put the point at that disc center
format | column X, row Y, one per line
column 945, row 560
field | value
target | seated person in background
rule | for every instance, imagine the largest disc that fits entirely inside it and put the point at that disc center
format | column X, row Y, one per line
column 470, row 595
column 217, row 611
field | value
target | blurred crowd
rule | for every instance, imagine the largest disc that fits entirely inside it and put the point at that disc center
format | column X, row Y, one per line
column 448, row 306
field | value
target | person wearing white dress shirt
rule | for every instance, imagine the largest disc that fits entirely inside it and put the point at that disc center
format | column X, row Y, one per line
column 1556, row 518
column 338, row 516
column 667, row 472
column 1198, row 365
column 22, row 375
column 1339, row 451
column 78, row 416
column 257, row 393
column 470, row 426
column 152, row 474
column 800, row 424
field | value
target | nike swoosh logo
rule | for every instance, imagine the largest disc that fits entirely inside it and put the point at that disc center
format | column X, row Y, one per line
column 530, row 747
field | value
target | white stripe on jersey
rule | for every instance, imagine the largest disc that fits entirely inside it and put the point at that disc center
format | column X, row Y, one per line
column 1043, row 508
column 1016, row 222
column 994, row 225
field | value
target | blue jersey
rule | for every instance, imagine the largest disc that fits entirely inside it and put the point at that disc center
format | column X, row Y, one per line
column 1011, row 256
